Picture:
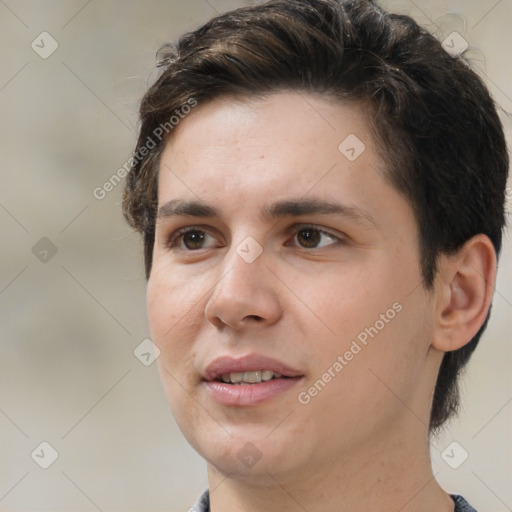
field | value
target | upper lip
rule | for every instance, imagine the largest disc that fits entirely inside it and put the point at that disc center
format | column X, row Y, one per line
column 250, row 363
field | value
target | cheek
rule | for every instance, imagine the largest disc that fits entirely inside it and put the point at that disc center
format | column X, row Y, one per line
column 172, row 331
column 172, row 309
column 372, row 322
column 344, row 302
column 161, row 299
column 388, row 371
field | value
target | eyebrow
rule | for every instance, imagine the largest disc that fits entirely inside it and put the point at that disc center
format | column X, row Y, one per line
column 278, row 209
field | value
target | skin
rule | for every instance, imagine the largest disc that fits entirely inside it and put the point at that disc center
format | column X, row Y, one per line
column 362, row 442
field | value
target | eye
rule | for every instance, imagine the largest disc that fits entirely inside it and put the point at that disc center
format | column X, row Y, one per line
column 312, row 237
column 305, row 236
column 190, row 239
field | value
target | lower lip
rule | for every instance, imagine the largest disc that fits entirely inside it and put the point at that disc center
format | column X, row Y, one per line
column 249, row 394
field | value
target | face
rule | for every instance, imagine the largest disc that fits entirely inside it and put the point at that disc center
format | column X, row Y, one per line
column 283, row 258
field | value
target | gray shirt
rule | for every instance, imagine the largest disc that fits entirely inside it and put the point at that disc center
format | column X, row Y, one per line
column 203, row 503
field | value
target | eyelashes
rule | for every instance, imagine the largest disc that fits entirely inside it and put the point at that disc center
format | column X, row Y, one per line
column 178, row 237
column 192, row 238
column 317, row 233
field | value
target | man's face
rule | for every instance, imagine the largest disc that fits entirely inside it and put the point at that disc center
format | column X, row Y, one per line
column 304, row 255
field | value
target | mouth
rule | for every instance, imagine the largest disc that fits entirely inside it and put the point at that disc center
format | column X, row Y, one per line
column 243, row 378
column 249, row 380
column 249, row 369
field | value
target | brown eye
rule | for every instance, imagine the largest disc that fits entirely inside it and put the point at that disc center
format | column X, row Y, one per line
column 308, row 237
column 193, row 239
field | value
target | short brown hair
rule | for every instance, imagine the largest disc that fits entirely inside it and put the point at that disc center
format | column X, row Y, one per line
column 433, row 120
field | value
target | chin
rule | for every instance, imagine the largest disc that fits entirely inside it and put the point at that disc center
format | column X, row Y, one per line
column 247, row 453
column 243, row 460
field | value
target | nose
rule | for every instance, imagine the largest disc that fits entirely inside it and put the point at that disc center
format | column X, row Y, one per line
column 246, row 294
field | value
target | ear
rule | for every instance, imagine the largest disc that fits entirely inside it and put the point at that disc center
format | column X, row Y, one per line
column 463, row 289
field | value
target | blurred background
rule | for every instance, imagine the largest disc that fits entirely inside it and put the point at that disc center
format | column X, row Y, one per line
column 72, row 290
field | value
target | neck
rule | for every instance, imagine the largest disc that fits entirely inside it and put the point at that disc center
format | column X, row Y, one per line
column 377, row 477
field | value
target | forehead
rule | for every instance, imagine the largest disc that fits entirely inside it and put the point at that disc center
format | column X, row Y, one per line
column 284, row 135
column 239, row 155
column 305, row 117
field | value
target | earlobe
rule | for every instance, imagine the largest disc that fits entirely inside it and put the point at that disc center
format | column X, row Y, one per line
column 464, row 290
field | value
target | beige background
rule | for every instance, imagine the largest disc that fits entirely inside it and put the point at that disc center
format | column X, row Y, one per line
column 69, row 325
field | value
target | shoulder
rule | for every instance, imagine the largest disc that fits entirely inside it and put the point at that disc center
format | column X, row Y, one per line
column 202, row 504
column 461, row 505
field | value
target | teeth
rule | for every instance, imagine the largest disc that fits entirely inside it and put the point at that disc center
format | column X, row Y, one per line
column 236, row 377
column 250, row 377
column 267, row 374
